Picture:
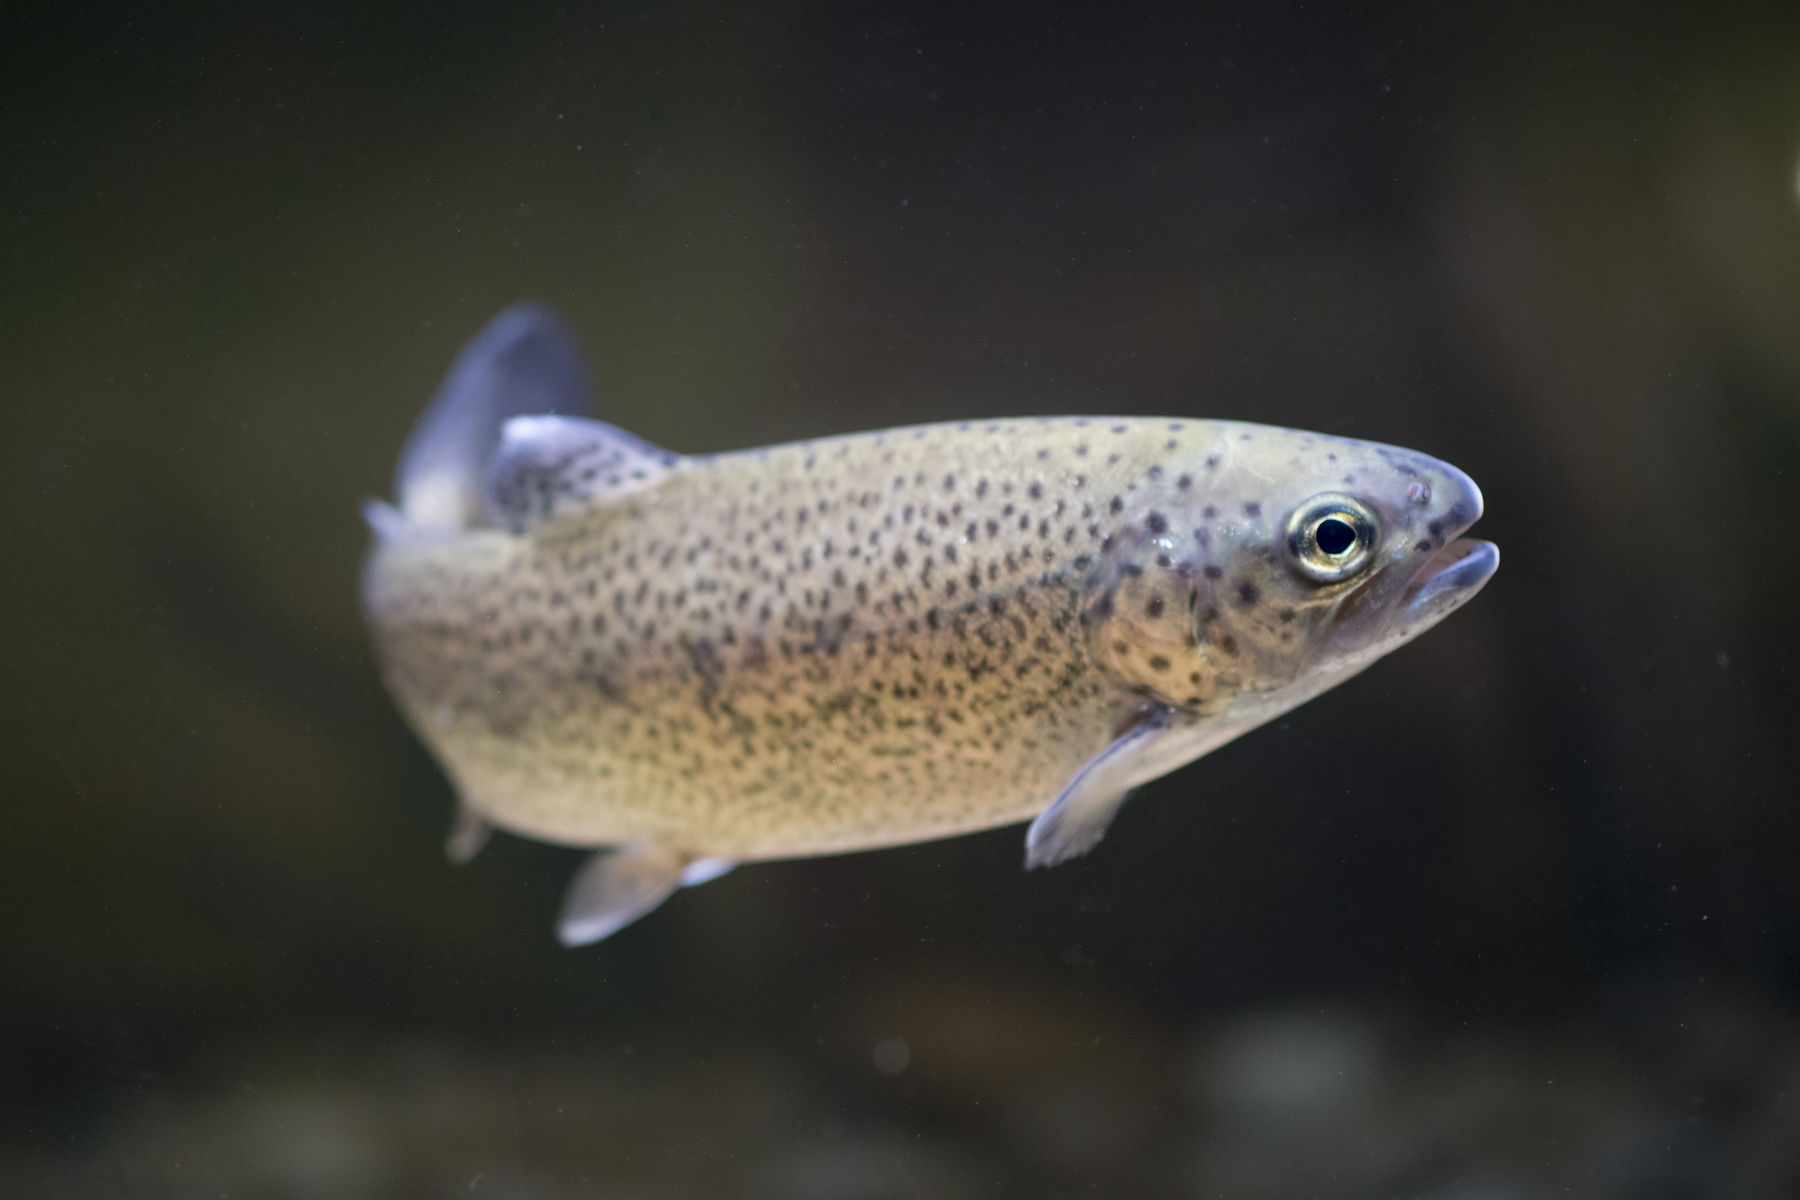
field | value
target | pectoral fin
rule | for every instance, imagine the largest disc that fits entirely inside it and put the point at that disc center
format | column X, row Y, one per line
column 616, row 887
column 1077, row 819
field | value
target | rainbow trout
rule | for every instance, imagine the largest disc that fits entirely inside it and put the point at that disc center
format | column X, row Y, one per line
column 860, row 641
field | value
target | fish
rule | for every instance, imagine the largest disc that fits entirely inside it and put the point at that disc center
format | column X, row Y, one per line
column 683, row 662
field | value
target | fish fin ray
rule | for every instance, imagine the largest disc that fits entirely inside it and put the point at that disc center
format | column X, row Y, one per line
column 705, row 870
column 387, row 523
column 550, row 466
column 1077, row 819
column 1071, row 827
column 523, row 361
column 468, row 834
column 616, row 887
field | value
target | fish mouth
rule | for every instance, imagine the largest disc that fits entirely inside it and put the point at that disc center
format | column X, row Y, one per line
column 1449, row 577
column 1460, row 566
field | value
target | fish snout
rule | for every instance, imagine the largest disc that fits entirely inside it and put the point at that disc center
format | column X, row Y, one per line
column 1459, row 566
column 1460, row 501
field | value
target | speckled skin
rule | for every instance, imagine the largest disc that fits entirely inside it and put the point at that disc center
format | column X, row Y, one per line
column 887, row 637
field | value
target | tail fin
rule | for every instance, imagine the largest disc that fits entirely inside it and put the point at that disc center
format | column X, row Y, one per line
column 524, row 362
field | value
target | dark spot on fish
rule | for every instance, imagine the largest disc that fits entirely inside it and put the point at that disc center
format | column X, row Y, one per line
column 1117, row 505
column 1184, row 483
column 1253, row 509
column 1248, row 594
column 1156, row 523
column 1212, row 571
column 1153, row 607
column 1158, row 663
column 1035, row 491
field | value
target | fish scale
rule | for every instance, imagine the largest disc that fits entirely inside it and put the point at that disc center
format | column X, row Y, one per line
column 863, row 640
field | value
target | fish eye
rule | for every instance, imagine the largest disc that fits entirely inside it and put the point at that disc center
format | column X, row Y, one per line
column 1334, row 536
column 1331, row 537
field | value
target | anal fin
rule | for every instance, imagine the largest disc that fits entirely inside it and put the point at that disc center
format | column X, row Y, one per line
column 616, row 887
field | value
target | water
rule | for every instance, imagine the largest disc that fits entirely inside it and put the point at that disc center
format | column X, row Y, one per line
column 1518, row 910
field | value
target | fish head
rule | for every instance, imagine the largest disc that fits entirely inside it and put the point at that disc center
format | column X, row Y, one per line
column 1285, row 562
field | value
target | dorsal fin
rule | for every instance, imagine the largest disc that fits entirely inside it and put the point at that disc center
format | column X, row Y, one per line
column 523, row 361
column 550, row 466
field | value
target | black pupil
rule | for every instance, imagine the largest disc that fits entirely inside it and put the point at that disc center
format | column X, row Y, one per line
column 1335, row 536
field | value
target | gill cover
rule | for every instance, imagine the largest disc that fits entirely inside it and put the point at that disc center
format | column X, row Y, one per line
column 1144, row 610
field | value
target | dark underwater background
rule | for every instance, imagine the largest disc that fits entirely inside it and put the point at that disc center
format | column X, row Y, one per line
column 1517, row 912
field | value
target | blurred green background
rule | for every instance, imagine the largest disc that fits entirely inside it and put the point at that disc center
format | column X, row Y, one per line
column 1517, row 910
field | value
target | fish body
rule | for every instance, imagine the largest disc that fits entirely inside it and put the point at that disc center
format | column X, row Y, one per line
column 872, row 639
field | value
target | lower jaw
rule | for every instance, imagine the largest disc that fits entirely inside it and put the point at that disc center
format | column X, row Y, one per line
column 1450, row 576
